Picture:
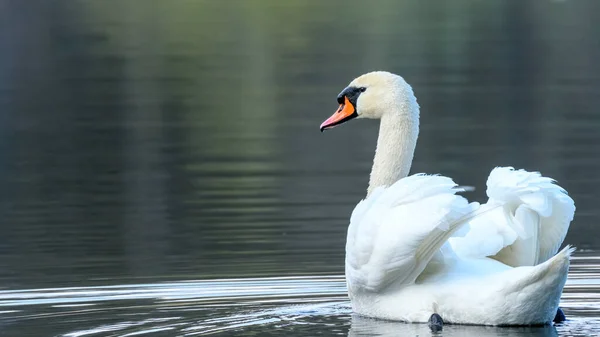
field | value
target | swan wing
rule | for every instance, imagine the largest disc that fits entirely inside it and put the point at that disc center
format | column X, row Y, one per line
column 529, row 222
column 395, row 231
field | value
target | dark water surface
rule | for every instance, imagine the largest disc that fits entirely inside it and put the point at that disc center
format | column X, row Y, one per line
column 162, row 173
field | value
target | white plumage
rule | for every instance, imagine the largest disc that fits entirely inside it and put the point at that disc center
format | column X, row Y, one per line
column 392, row 272
column 530, row 225
column 415, row 247
column 380, row 252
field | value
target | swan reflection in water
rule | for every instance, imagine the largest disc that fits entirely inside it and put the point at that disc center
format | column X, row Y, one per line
column 362, row 326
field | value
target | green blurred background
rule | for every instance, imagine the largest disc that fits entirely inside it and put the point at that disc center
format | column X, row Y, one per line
column 179, row 139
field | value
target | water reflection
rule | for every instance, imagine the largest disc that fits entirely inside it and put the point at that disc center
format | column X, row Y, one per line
column 369, row 327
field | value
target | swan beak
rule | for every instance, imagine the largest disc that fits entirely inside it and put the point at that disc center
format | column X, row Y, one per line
column 344, row 113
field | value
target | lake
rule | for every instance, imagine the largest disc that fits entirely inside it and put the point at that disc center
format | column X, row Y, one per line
column 162, row 172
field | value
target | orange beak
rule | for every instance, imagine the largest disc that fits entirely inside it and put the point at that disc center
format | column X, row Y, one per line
column 345, row 112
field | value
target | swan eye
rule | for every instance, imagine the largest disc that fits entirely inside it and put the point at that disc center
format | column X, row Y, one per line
column 362, row 89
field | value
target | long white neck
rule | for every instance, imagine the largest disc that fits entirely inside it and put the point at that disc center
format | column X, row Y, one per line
column 398, row 133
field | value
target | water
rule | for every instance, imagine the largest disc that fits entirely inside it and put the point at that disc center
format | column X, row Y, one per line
column 281, row 306
column 162, row 173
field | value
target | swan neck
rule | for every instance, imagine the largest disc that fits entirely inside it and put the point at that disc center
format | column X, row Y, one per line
column 395, row 149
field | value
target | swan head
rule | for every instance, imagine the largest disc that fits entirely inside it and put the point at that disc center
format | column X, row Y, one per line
column 374, row 95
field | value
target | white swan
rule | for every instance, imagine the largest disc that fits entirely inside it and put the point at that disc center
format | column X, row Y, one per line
column 415, row 248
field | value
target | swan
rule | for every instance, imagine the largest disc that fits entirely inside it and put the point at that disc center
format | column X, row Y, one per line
column 417, row 251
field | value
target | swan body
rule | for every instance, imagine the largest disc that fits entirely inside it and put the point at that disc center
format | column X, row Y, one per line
column 416, row 248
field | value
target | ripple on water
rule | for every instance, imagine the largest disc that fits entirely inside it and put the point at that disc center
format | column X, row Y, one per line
column 266, row 306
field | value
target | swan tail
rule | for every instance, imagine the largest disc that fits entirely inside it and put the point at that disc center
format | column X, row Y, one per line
column 528, row 227
column 535, row 291
column 553, row 271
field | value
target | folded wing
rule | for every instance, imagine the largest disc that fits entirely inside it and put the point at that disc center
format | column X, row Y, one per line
column 395, row 231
